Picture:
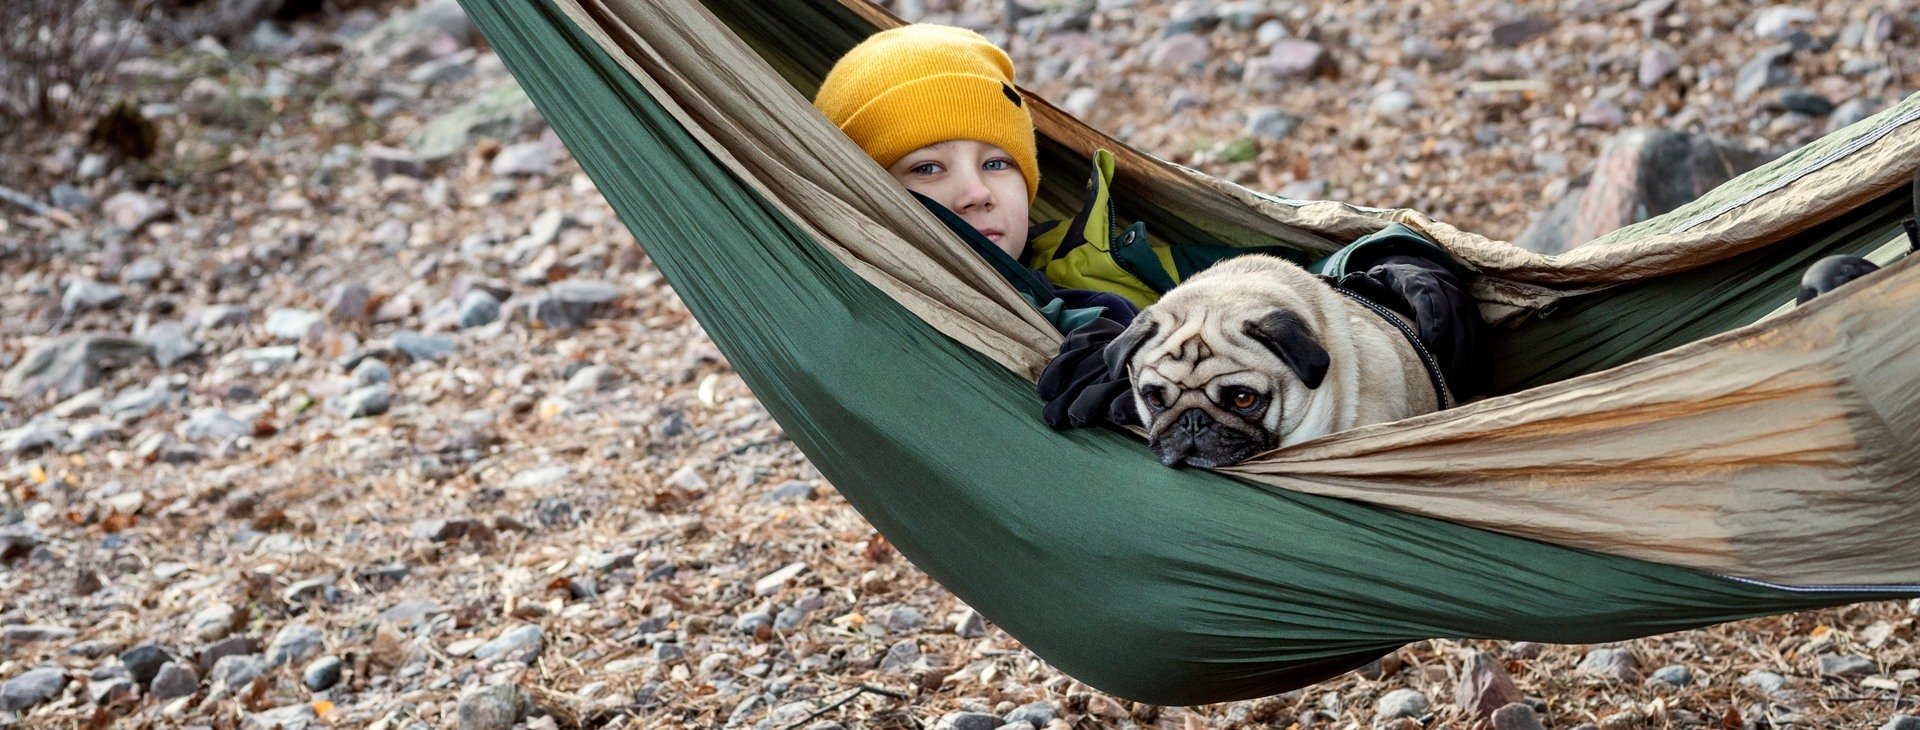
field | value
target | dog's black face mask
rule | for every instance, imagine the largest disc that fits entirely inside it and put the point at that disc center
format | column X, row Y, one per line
column 1195, row 438
column 1209, row 403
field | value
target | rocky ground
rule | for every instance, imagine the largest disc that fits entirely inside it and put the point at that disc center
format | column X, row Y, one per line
column 350, row 402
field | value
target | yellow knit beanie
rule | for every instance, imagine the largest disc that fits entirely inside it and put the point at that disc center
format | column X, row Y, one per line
column 912, row 86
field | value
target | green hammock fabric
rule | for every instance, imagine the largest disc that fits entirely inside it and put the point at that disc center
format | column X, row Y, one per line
column 1163, row 586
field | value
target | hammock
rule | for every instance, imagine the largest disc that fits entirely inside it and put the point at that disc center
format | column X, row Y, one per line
column 1657, row 456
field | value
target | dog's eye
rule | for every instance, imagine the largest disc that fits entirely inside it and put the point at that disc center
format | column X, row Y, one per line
column 1244, row 399
column 1156, row 399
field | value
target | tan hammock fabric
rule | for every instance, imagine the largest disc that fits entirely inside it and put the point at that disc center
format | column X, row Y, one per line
column 1773, row 453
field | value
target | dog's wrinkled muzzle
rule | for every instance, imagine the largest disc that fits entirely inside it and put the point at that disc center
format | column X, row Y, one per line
column 1194, row 438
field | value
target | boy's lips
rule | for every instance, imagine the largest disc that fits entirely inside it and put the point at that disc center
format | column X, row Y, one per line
column 993, row 234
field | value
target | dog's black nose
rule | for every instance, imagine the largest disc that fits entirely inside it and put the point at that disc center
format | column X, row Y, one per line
column 1193, row 421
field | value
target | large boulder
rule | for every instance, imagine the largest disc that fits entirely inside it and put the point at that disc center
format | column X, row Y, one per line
column 1641, row 173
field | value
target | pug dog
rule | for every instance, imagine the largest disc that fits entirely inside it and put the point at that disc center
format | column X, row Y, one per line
column 1255, row 354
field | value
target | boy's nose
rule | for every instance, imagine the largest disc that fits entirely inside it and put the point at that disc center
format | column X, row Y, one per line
column 975, row 194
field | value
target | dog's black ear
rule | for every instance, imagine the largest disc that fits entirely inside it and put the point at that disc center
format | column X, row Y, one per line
column 1122, row 348
column 1287, row 336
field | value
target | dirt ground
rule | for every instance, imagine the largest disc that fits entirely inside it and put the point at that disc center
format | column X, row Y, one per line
column 300, row 472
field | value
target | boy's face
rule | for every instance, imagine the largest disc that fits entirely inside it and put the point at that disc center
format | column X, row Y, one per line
column 977, row 181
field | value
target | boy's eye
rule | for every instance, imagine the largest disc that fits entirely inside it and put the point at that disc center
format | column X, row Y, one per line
column 926, row 168
column 998, row 164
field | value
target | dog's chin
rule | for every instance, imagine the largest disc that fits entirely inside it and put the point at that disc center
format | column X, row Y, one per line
column 1216, row 448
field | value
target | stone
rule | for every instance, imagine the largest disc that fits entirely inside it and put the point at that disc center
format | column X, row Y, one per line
column 750, row 623
column 322, row 674
column 1656, row 64
column 771, row 583
column 580, row 300
column 521, row 643
column 1603, row 114
column 384, row 162
column 371, row 371
column 288, row 717
column 69, row 364
column 1180, row 53
column 111, row 691
column 213, row 424
column 686, row 478
column 1847, row 665
column 1643, row 173
column 32, row 687
column 214, row 622
column 143, row 662
column 295, row 642
column 1271, row 123
column 1805, row 102
column 589, row 379
column 34, row 437
column 1764, row 681
column 237, row 671
column 1289, row 60
column 1776, row 22
column 34, row 633
column 503, row 112
column 493, row 707
column 478, row 308
column 791, row 491
column 1485, row 686
column 232, row 646
column 1677, row 675
column 84, row 295
column 131, row 211
column 169, row 343
column 1853, row 111
column 390, row 236
column 218, row 316
column 525, row 158
column 1038, row 714
column 1516, row 716
column 347, row 303
column 1611, row 663
column 365, row 401
column 174, row 679
column 1768, row 70
column 668, row 652
column 1401, row 703
column 144, row 270
column 901, row 619
column 425, row 347
column 969, row 624
column 294, row 324
column 540, row 476
column 1081, row 101
column 971, row 721
column 1391, row 103
column 900, row 657
column 409, row 612
column 446, row 530
column 263, row 360
column 1516, row 32
column 1902, row 722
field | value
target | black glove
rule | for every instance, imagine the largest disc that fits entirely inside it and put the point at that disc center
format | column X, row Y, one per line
column 1443, row 313
column 1076, row 386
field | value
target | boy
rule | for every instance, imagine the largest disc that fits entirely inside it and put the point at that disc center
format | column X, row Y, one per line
column 935, row 105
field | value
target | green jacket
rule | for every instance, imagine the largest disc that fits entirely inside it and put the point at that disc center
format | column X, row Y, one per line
column 1088, row 252
column 1083, row 252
